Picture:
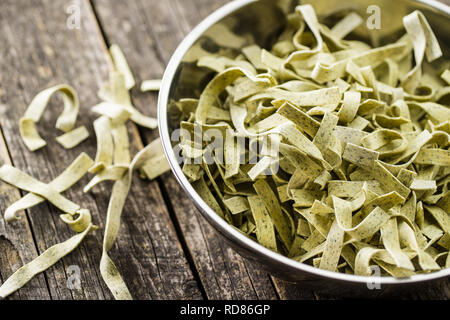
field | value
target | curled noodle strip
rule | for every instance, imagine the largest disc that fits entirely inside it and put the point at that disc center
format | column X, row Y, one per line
column 65, row 122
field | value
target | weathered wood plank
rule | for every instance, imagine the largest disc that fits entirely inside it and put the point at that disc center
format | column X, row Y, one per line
column 16, row 240
column 41, row 51
column 148, row 32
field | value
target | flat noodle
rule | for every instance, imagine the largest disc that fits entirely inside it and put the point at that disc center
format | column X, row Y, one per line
column 437, row 157
column 25, row 182
column 441, row 217
column 121, row 155
column 215, row 87
column 260, row 167
column 117, row 113
column 349, row 107
column 47, row 259
column 309, row 16
column 362, row 157
column 66, row 120
column 237, row 204
column 73, row 138
column 121, row 65
column 335, row 238
column 33, row 114
column 151, row 85
column 408, row 238
column 219, row 64
column 323, row 138
column 446, row 76
column 111, row 173
column 105, row 145
column 119, row 194
column 300, row 141
column 385, row 202
column 363, row 258
column 333, row 248
column 424, row 42
column 64, row 181
column 305, row 198
column 227, row 39
column 423, row 185
column 346, row 25
column 367, row 227
column 203, row 190
column 390, row 238
column 350, row 135
column 30, row 135
column 385, row 141
column 265, row 231
column 79, row 223
column 157, row 164
column 389, row 181
column 116, row 92
column 273, row 207
column 326, row 96
column 300, row 118
column 344, row 189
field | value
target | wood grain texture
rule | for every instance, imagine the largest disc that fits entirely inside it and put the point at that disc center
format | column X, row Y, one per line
column 41, row 51
column 16, row 239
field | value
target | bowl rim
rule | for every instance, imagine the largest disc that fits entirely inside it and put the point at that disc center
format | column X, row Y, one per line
column 211, row 216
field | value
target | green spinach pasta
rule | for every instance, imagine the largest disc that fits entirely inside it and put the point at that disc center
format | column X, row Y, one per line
column 333, row 152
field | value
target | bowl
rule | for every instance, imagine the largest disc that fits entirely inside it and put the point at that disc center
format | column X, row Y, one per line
column 264, row 19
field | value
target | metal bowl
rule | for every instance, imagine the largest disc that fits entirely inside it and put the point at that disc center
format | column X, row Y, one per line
column 264, row 19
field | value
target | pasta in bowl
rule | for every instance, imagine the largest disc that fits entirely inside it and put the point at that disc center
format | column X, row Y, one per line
column 327, row 148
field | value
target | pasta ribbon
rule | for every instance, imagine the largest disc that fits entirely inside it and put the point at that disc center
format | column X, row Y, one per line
column 65, row 122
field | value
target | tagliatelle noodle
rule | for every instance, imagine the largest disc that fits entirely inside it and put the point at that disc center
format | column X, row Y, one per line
column 116, row 92
column 151, row 85
column 118, row 196
column 105, row 145
column 424, row 42
column 47, row 259
column 264, row 227
column 121, row 65
column 30, row 135
column 157, row 164
column 77, row 218
column 110, row 173
column 64, row 181
column 25, row 182
column 33, row 114
column 73, row 138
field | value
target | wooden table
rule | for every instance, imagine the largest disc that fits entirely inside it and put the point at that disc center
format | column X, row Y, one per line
column 165, row 249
